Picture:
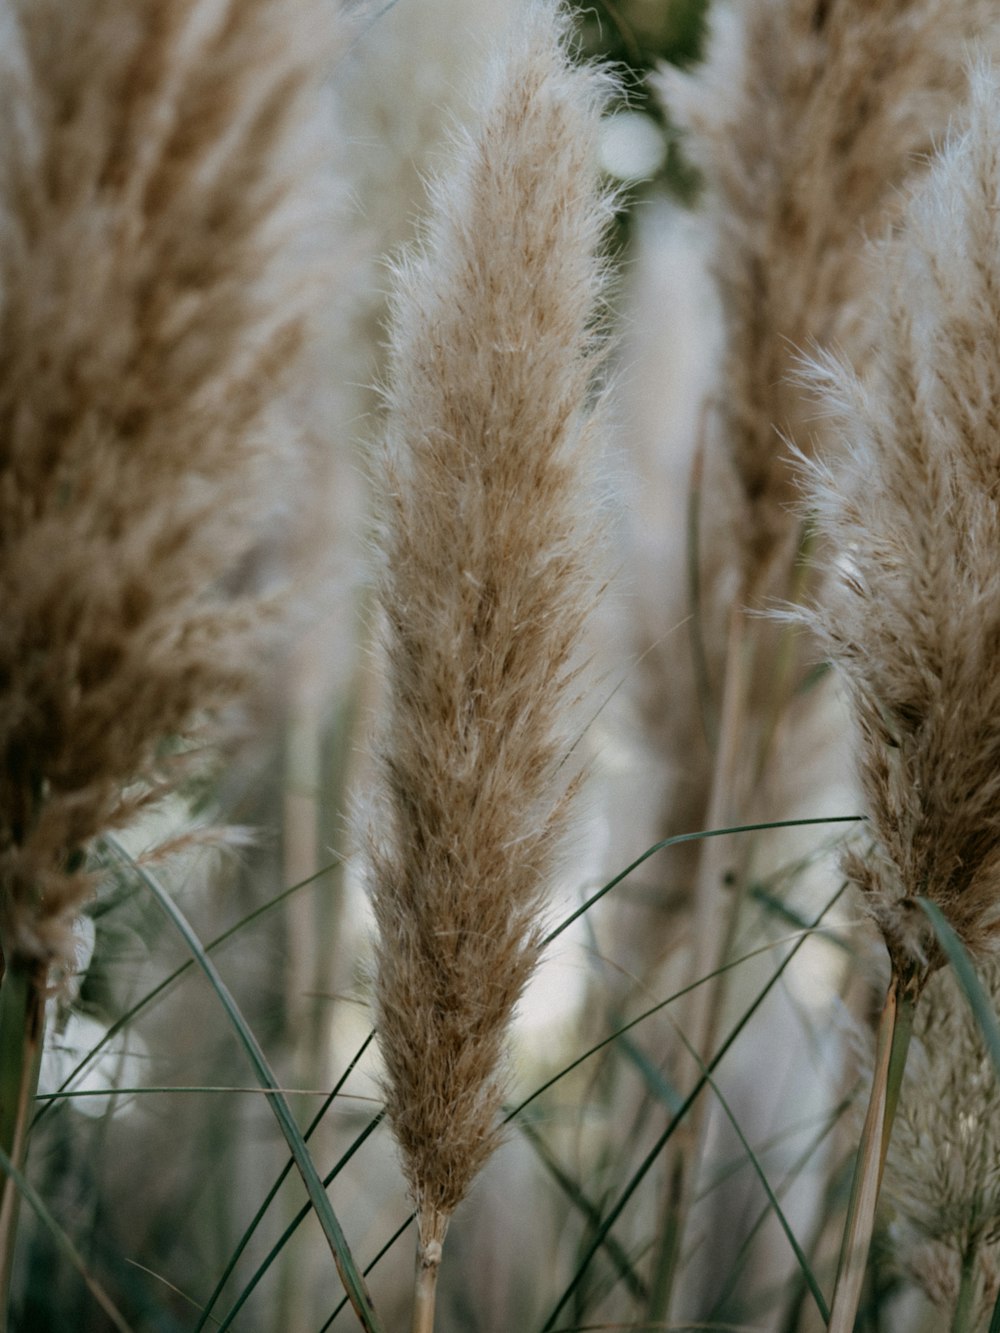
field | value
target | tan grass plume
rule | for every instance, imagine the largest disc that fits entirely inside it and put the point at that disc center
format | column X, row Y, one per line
column 804, row 121
column 913, row 618
column 148, row 176
column 942, row 1175
column 488, row 538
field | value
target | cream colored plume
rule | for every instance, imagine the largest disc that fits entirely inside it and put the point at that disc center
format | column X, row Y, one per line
column 487, row 538
column 151, row 175
column 913, row 618
column 805, row 120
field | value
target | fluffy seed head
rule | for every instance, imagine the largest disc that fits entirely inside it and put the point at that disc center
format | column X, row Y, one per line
column 912, row 617
column 804, row 121
column 487, row 544
column 147, row 177
column 943, row 1169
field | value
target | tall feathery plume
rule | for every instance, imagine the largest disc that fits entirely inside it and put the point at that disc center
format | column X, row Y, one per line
column 804, row 121
column 149, row 174
column 942, row 1172
column 913, row 619
column 488, row 545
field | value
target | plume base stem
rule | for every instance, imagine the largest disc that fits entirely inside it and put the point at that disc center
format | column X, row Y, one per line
column 894, row 1032
column 962, row 1321
column 22, row 1022
column 432, row 1229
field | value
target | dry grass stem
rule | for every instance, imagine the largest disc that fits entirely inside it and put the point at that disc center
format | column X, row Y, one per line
column 488, row 542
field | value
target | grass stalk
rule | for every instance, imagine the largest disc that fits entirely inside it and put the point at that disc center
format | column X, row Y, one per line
column 714, row 910
column 965, row 1305
column 425, row 1284
column 22, row 1023
column 893, row 1041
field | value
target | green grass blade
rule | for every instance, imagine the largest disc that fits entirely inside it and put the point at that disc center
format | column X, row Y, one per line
column 64, row 1243
column 589, row 1210
column 292, row 1227
column 160, row 1088
column 967, row 979
column 645, row 1166
column 676, row 841
column 162, row 986
column 258, row 1216
column 772, row 1198
column 350, row 1276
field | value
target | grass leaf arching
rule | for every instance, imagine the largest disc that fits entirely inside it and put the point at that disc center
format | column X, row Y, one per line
column 344, row 1260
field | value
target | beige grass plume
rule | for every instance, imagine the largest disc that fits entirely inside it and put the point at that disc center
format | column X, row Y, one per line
column 805, row 120
column 943, row 1169
column 488, row 540
column 148, row 176
column 913, row 620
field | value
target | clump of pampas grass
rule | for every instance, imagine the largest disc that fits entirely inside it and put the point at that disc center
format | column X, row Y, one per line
column 149, row 176
column 805, row 121
column 488, row 544
column 152, row 179
column 911, row 617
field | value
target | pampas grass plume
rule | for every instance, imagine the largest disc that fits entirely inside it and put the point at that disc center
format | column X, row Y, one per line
column 487, row 539
column 148, row 174
column 913, row 620
column 942, row 1176
column 805, row 120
